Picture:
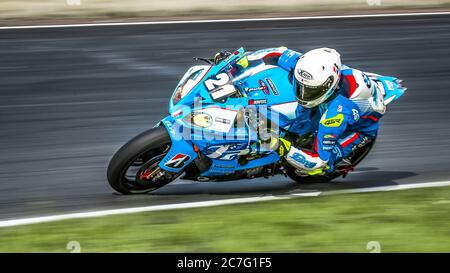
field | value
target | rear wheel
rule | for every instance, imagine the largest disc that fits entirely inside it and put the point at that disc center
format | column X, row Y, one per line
column 134, row 167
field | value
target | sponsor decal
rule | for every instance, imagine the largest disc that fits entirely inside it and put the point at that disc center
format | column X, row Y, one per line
column 355, row 114
column 257, row 102
column 178, row 161
column 251, row 89
column 339, row 109
column 223, row 120
column 264, row 86
column 202, row 119
column 302, row 160
column 224, row 166
column 272, row 86
column 328, row 136
column 226, row 152
column 329, row 142
column 335, row 121
column 305, row 74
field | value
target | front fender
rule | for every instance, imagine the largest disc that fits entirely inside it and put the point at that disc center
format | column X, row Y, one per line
column 181, row 152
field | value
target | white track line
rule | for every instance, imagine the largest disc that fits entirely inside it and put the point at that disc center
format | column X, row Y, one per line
column 201, row 204
column 231, row 20
column 390, row 188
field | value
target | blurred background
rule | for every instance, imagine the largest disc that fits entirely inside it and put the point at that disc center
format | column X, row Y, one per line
column 16, row 11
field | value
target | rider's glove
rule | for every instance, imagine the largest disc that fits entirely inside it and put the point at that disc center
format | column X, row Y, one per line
column 220, row 56
column 308, row 163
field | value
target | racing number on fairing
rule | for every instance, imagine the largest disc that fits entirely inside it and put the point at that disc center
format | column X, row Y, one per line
column 220, row 88
column 221, row 79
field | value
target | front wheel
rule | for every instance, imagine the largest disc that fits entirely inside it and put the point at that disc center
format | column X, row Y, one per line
column 134, row 168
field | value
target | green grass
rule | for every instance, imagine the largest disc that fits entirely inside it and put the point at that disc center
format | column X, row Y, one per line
column 401, row 221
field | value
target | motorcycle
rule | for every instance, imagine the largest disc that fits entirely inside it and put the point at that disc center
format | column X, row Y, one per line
column 223, row 120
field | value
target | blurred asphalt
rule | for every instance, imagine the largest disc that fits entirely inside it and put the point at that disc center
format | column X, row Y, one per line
column 69, row 98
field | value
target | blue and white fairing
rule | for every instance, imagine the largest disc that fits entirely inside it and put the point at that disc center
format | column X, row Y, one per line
column 207, row 113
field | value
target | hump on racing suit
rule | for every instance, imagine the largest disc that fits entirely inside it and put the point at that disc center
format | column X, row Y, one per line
column 350, row 118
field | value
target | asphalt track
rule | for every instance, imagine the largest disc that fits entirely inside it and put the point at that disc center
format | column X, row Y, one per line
column 70, row 97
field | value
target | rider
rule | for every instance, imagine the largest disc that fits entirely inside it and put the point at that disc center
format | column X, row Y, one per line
column 346, row 102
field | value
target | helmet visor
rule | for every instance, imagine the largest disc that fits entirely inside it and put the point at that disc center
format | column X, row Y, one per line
column 307, row 93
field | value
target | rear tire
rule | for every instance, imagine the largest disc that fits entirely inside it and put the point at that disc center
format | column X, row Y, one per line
column 149, row 147
column 290, row 171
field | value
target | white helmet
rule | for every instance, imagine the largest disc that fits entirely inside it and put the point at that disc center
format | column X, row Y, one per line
column 316, row 76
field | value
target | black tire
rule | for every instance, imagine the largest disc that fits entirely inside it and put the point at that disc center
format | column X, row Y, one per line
column 290, row 171
column 149, row 145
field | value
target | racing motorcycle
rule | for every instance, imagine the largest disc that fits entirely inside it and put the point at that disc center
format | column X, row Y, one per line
column 223, row 118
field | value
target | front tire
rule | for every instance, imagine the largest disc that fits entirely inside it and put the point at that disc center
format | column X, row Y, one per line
column 140, row 154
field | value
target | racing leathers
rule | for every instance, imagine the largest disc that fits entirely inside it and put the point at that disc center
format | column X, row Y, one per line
column 346, row 121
